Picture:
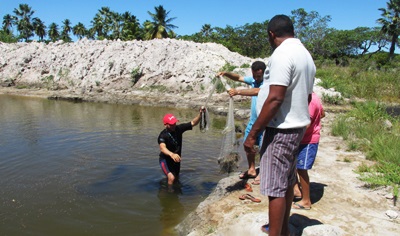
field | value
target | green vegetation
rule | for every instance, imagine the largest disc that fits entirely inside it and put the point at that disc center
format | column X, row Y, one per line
column 363, row 77
column 368, row 128
column 136, row 73
column 48, row 81
column 106, row 24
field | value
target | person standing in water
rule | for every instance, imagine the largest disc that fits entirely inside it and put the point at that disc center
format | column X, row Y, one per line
column 170, row 142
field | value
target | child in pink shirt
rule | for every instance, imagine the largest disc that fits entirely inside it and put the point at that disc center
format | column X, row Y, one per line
column 307, row 153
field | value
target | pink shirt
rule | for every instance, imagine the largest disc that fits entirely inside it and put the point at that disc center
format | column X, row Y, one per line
column 315, row 109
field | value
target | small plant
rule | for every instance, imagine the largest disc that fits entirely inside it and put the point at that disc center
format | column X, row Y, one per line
column 63, row 73
column 334, row 100
column 97, row 83
column 346, row 159
column 48, row 81
column 136, row 74
column 110, row 65
column 228, row 67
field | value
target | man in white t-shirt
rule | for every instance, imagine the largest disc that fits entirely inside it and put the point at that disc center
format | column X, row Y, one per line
column 284, row 116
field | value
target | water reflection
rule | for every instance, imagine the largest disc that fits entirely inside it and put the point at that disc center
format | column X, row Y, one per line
column 171, row 208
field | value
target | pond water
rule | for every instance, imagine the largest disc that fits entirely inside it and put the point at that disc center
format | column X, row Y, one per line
column 92, row 168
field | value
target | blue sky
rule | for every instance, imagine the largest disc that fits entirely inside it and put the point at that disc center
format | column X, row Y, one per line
column 192, row 15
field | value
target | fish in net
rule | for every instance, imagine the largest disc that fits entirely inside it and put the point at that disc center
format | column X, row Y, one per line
column 205, row 119
column 229, row 156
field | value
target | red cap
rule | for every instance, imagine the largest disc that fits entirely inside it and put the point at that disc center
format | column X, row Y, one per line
column 169, row 119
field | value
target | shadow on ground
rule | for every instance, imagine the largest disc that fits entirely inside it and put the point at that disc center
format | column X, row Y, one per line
column 299, row 222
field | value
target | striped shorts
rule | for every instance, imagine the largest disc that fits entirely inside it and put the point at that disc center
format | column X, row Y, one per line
column 278, row 162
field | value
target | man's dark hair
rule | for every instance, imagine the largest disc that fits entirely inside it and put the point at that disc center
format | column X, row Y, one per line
column 281, row 26
column 258, row 65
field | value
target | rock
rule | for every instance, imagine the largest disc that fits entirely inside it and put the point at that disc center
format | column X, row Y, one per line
column 392, row 214
column 326, row 230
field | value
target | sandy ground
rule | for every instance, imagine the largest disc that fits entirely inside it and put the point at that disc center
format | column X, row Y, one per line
column 341, row 202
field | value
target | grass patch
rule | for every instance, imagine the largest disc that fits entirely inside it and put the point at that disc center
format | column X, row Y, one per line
column 361, row 80
column 363, row 128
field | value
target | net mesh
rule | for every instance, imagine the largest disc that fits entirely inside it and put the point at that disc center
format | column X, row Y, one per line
column 229, row 155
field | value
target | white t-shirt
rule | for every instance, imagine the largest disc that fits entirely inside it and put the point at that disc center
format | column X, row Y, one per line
column 291, row 65
column 263, row 93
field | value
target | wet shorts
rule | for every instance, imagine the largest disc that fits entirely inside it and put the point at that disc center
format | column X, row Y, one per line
column 168, row 165
column 307, row 155
column 278, row 163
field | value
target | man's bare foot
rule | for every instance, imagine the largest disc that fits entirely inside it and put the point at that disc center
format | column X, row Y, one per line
column 256, row 181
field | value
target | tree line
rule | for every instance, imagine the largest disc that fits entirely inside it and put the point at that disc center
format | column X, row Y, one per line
column 106, row 24
column 249, row 40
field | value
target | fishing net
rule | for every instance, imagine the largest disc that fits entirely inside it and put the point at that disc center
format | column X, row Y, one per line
column 205, row 119
column 229, row 155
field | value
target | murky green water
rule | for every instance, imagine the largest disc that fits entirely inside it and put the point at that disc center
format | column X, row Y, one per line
column 92, row 169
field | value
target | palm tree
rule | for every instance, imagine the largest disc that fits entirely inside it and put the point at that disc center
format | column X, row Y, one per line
column 206, row 30
column 39, row 28
column 131, row 27
column 8, row 22
column 391, row 23
column 23, row 22
column 66, row 29
column 97, row 26
column 160, row 27
column 79, row 30
column 101, row 22
column 54, row 34
column 116, row 25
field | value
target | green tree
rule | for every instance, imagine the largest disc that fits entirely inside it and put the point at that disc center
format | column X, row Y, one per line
column 39, row 28
column 101, row 23
column 66, row 29
column 7, row 37
column 391, row 23
column 79, row 30
column 23, row 21
column 310, row 28
column 253, row 40
column 131, row 27
column 161, row 26
column 8, row 22
column 116, row 25
column 206, row 30
column 54, row 34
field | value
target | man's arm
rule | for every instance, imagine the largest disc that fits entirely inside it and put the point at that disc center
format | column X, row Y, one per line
column 270, row 108
column 174, row 156
column 196, row 120
column 232, row 76
column 244, row 92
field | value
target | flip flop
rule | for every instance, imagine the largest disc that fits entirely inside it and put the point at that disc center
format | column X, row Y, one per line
column 250, row 197
column 265, row 228
column 245, row 175
column 297, row 198
column 297, row 206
